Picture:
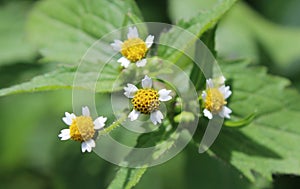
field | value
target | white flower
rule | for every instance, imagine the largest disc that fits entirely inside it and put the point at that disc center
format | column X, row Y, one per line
column 146, row 100
column 133, row 49
column 214, row 98
column 82, row 128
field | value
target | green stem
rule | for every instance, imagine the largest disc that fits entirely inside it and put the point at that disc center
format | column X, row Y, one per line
column 113, row 126
column 136, row 177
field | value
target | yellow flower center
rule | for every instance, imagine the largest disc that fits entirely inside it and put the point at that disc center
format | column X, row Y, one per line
column 145, row 101
column 214, row 100
column 134, row 49
column 82, row 128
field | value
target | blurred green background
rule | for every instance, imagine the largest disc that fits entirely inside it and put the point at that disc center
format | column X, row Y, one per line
column 32, row 156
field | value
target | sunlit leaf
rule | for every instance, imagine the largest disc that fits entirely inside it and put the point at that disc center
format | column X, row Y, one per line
column 64, row 30
column 196, row 25
column 189, row 8
column 63, row 78
column 13, row 43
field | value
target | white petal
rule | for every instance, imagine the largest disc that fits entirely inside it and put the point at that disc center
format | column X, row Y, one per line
column 85, row 147
column 225, row 112
column 141, row 63
column 221, row 80
column 209, row 83
column 133, row 115
column 149, row 41
column 65, row 131
column 67, row 121
column 225, row 90
column 222, row 89
column 130, row 90
column 88, row 145
column 164, row 95
column 156, row 117
column 147, row 82
column 117, row 45
column 68, row 118
column 124, row 62
column 85, row 111
column 91, row 143
column 207, row 114
column 204, row 95
column 99, row 123
column 64, row 134
column 132, row 33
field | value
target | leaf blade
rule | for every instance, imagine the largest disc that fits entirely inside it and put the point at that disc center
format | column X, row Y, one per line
column 72, row 26
column 267, row 145
column 197, row 26
column 127, row 178
column 14, row 47
column 63, row 78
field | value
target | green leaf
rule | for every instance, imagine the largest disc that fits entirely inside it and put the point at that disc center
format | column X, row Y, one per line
column 63, row 78
column 89, row 76
column 13, row 46
column 268, row 144
column 64, row 30
column 189, row 8
column 127, row 178
column 247, row 32
column 197, row 26
column 71, row 27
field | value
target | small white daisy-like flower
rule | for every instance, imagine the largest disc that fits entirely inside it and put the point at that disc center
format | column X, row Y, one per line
column 133, row 49
column 214, row 98
column 82, row 128
column 146, row 100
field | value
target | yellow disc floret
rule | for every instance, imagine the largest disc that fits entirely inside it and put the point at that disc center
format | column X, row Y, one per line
column 145, row 101
column 82, row 128
column 214, row 100
column 134, row 49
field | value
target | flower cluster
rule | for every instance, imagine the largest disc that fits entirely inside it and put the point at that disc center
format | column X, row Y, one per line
column 145, row 100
